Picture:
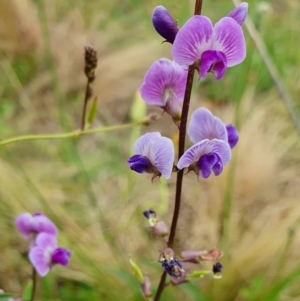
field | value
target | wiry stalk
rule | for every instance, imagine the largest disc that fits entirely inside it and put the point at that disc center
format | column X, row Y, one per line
column 179, row 180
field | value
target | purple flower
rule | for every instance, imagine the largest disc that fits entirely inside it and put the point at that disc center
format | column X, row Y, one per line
column 240, row 13
column 154, row 154
column 233, row 135
column 164, row 87
column 29, row 225
column 211, row 150
column 164, row 23
column 46, row 253
column 216, row 47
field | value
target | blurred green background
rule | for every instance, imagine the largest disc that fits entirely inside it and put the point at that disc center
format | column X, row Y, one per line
column 251, row 212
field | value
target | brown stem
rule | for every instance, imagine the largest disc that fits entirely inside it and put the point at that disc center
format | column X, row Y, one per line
column 87, row 96
column 179, row 180
column 34, row 279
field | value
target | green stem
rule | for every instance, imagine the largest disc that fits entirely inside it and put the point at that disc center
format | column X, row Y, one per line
column 179, row 180
column 73, row 134
column 34, row 280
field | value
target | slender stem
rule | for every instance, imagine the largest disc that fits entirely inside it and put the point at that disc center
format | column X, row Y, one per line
column 73, row 134
column 179, row 180
column 86, row 100
column 34, row 280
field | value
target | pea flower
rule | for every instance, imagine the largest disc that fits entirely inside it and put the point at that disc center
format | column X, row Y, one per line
column 216, row 47
column 30, row 225
column 164, row 87
column 45, row 254
column 240, row 13
column 171, row 264
column 154, row 154
column 164, row 24
column 211, row 150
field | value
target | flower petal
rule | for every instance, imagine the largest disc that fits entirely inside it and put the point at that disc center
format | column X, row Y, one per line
column 42, row 223
column 219, row 147
column 233, row 135
column 164, row 23
column 141, row 146
column 228, row 37
column 162, row 78
column 46, row 241
column 192, row 40
column 204, row 125
column 240, row 13
column 39, row 259
column 24, row 224
column 139, row 163
column 162, row 155
column 213, row 61
column 61, row 256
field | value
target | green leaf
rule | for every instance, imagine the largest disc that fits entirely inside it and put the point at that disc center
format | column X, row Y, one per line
column 138, row 108
column 27, row 291
column 93, row 111
column 5, row 296
column 137, row 271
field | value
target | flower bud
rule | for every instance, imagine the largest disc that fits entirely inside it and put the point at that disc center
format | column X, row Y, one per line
column 151, row 216
column 211, row 255
column 192, row 256
column 164, row 24
column 146, row 288
column 160, row 229
column 240, row 13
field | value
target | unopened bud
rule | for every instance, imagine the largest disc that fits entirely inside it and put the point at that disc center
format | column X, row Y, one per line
column 160, row 229
column 211, row 255
column 146, row 288
column 217, row 268
column 151, row 216
column 91, row 60
column 192, row 256
column 164, row 24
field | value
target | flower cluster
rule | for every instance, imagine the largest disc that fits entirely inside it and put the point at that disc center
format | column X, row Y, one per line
column 41, row 233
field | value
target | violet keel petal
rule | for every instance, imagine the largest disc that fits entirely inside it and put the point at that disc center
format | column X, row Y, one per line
column 228, row 37
column 233, row 135
column 164, row 23
column 139, row 163
column 204, row 125
column 206, row 163
column 213, row 61
column 240, row 13
column 61, row 256
column 192, row 40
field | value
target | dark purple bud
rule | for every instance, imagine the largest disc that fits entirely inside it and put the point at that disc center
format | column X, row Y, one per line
column 146, row 288
column 149, row 213
column 217, row 268
column 164, row 24
column 233, row 135
column 61, row 256
column 208, row 163
column 37, row 214
column 139, row 163
column 173, row 267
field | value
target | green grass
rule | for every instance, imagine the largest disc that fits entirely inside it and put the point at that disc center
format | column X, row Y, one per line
column 85, row 187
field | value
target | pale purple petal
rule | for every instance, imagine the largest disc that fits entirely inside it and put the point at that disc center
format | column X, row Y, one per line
column 47, row 241
column 141, row 146
column 239, row 14
column 193, row 154
column 163, row 78
column 41, row 223
column 228, row 37
column 162, row 155
column 61, row 256
column 192, row 40
column 233, row 135
column 204, row 125
column 164, row 23
column 213, row 61
column 41, row 260
column 24, row 224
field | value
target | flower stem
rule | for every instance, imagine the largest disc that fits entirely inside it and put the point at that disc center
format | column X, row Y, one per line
column 179, row 180
column 74, row 134
column 34, row 279
column 87, row 96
